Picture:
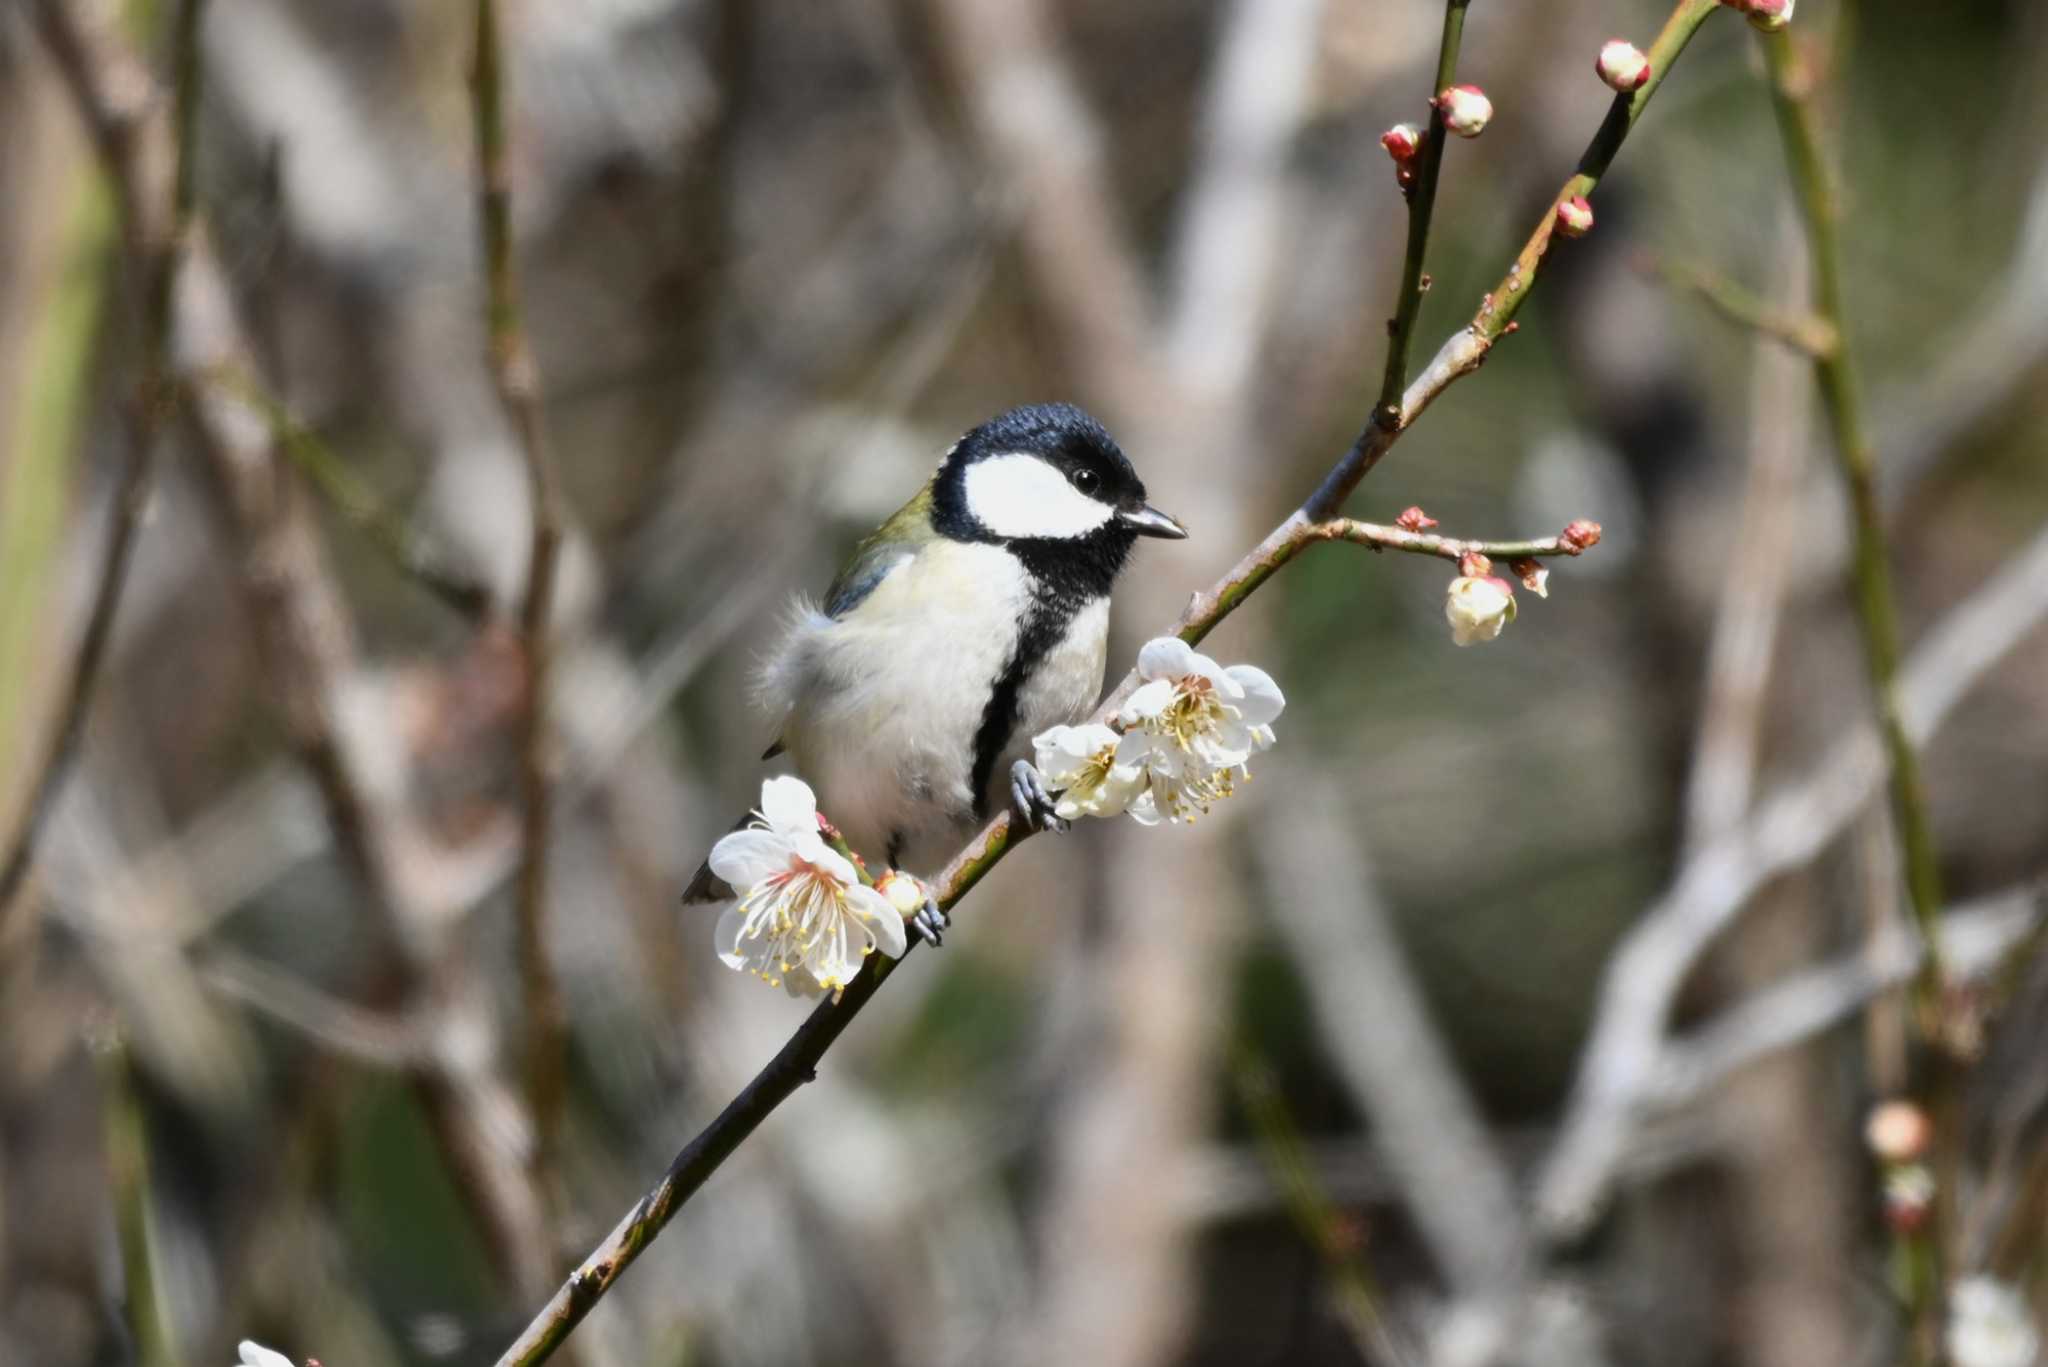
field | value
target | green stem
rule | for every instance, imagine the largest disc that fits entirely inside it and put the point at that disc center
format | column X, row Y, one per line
column 1870, row 569
column 127, row 1141
column 162, row 256
column 1421, row 202
column 518, row 382
column 1501, row 306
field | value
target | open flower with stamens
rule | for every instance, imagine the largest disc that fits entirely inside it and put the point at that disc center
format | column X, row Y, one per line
column 1081, row 764
column 1191, row 727
column 804, row 921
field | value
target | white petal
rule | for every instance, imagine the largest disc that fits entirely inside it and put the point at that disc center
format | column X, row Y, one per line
column 1262, row 699
column 884, row 920
column 1166, row 657
column 798, row 982
column 726, row 936
column 1149, row 701
column 833, row 865
column 788, row 804
column 744, row 858
column 1086, row 742
column 1144, row 809
column 256, row 1355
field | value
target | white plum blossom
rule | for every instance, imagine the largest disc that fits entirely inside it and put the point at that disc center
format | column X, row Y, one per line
column 804, row 920
column 1081, row 763
column 254, row 1354
column 1191, row 727
column 1989, row 1326
column 1478, row 606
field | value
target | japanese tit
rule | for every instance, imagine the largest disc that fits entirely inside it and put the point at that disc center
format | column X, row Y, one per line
column 973, row 619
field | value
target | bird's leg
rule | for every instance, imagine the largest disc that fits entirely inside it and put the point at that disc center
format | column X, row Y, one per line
column 1032, row 801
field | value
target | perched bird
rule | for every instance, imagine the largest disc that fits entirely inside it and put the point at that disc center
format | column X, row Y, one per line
column 974, row 618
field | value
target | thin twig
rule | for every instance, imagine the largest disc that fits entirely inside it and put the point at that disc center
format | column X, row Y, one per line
column 518, row 381
column 1421, row 201
column 1807, row 333
column 797, row 1061
column 1443, row 547
column 1870, row 570
column 1279, row 1141
column 407, row 546
column 162, row 258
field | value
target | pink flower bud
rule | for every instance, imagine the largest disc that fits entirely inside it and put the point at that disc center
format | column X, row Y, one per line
column 1473, row 565
column 1768, row 15
column 1622, row 65
column 1578, row 535
column 1898, row 1132
column 1413, row 519
column 1574, row 216
column 1466, row 109
column 1402, row 141
column 1534, row 577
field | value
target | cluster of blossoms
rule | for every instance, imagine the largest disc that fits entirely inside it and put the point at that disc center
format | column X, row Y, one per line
column 1178, row 746
column 1465, row 111
column 1480, row 603
column 803, row 920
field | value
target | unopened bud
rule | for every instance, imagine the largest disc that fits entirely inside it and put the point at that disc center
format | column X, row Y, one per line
column 1474, row 565
column 1898, row 1132
column 902, row 892
column 1622, row 65
column 1466, row 109
column 1413, row 519
column 1402, row 141
column 1534, row 577
column 1578, row 535
column 1574, row 216
column 1908, row 1197
column 1768, row 15
column 1477, row 607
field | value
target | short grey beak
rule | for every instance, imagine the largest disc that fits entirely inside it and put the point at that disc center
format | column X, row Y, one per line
column 1147, row 520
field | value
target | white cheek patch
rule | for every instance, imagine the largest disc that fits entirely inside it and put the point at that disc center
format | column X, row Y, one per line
column 1016, row 495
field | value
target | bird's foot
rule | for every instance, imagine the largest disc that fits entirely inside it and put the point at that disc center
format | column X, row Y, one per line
column 930, row 923
column 908, row 894
column 1032, row 801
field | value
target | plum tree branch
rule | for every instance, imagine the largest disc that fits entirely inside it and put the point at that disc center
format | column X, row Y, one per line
column 796, row 1062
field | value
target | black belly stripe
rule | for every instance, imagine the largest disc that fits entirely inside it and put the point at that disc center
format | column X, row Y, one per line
column 1046, row 621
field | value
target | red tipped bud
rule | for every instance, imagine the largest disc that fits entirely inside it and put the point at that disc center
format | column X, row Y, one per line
column 1534, row 577
column 1622, row 65
column 1402, row 141
column 1909, row 1192
column 1768, row 15
column 1413, row 519
column 1466, row 109
column 1574, row 216
column 1578, row 535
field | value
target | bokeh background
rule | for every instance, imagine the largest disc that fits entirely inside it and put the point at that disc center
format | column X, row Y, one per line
column 1293, row 1085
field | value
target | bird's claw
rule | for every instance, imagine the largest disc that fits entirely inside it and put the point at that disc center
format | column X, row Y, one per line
column 930, row 923
column 1032, row 800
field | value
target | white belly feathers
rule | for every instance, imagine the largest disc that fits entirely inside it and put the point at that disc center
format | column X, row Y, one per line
column 880, row 708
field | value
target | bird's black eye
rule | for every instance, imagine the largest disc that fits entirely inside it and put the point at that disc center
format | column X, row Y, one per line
column 1086, row 480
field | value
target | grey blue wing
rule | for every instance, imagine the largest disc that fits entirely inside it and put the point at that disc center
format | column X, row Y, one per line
column 893, row 543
